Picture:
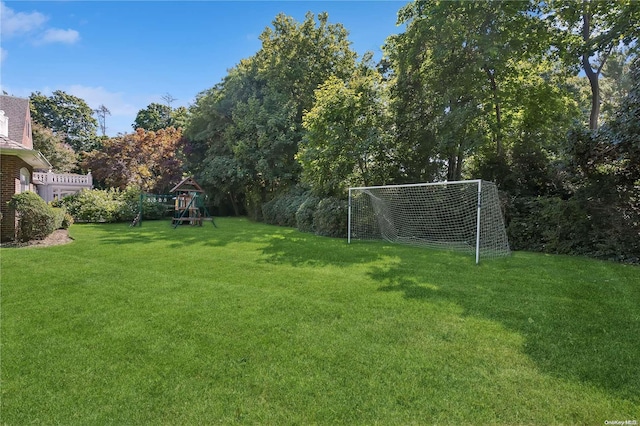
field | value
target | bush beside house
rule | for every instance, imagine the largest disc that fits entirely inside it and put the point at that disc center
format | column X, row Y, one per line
column 37, row 219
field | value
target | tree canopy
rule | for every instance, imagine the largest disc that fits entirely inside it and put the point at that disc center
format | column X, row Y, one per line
column 347, row 142
column 146, row 160
column 463, row 90
column 61, row 156
column 159, row 116
column 154, row 117
column 252, row 121
column 588, row 32
column 68, row 116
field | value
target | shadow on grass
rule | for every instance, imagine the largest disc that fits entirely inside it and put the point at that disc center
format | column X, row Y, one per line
column 301, row 249
column 579, row 317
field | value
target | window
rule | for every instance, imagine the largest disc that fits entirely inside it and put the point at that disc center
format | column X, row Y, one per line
column 25, row 180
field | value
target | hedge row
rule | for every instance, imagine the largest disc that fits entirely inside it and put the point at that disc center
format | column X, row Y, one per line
column 111, row 205
column 308, row 213
column 36, row 218
column 580, row 225
column 574, row 226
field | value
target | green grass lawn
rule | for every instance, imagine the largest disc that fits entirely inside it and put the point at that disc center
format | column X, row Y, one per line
column 250, row 323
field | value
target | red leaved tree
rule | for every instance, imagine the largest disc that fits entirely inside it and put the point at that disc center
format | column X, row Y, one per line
column 148, row 160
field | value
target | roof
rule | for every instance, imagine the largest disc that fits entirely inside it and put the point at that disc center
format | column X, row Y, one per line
column 16, row 109
column 7, row 143
column 34, row 158
column 187, row 184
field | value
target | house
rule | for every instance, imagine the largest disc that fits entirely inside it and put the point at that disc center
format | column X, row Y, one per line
column 24, row 169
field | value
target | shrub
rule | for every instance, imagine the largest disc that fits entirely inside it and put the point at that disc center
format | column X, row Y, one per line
column 59, row 215
column 128, row 202
column 330, row 218
column 580, row 225
column 110, row 205
column 269, row 212
column 282, row 209
column 547, row 224
column 67, row 221
column 130, row 206
column 36, row 218
column 93, row 205
column 301, row 209
column 152, row 210
column 304, row 214
column 615, row 223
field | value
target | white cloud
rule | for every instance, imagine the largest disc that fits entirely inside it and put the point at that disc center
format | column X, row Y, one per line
column 12, row 23
column 32, row 25
column 96, row 96
column 3, row 54
column 123, row 109
column 56, row 35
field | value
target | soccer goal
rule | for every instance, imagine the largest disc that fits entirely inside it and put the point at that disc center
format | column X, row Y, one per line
column 459, row 215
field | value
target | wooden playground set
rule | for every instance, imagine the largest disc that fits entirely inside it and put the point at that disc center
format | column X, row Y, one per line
column 189, row 207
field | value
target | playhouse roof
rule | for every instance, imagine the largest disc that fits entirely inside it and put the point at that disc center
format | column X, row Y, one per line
column 188, row 184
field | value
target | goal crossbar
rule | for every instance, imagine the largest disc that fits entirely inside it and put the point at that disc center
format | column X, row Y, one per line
column 458, row 215
column 410, row 185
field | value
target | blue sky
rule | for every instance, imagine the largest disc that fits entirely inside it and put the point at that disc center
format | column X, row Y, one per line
column 127, row 54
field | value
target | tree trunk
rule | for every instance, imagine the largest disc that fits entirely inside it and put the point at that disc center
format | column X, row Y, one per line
column 592, row 75
column 496, row 105
column 451, row 166
column 363, row 171
column 459, row 164
column 234, row 204
column 595, row 92
column 454, row 166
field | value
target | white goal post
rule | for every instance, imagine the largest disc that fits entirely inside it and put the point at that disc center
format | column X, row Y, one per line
column 458, row 215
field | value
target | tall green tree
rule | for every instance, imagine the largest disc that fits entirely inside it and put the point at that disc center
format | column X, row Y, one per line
column 589, row 31
column 604, row 169
column 294, row 60
column 158, row 116
column 62, row 157
column 462, row 71
column 347, row 140
column 68, row 116
column 255, row 114
column 178, row 117
column 623, row 137
column 213, row 138
column 412, row 107
column 154, row 117
column 616, row 82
